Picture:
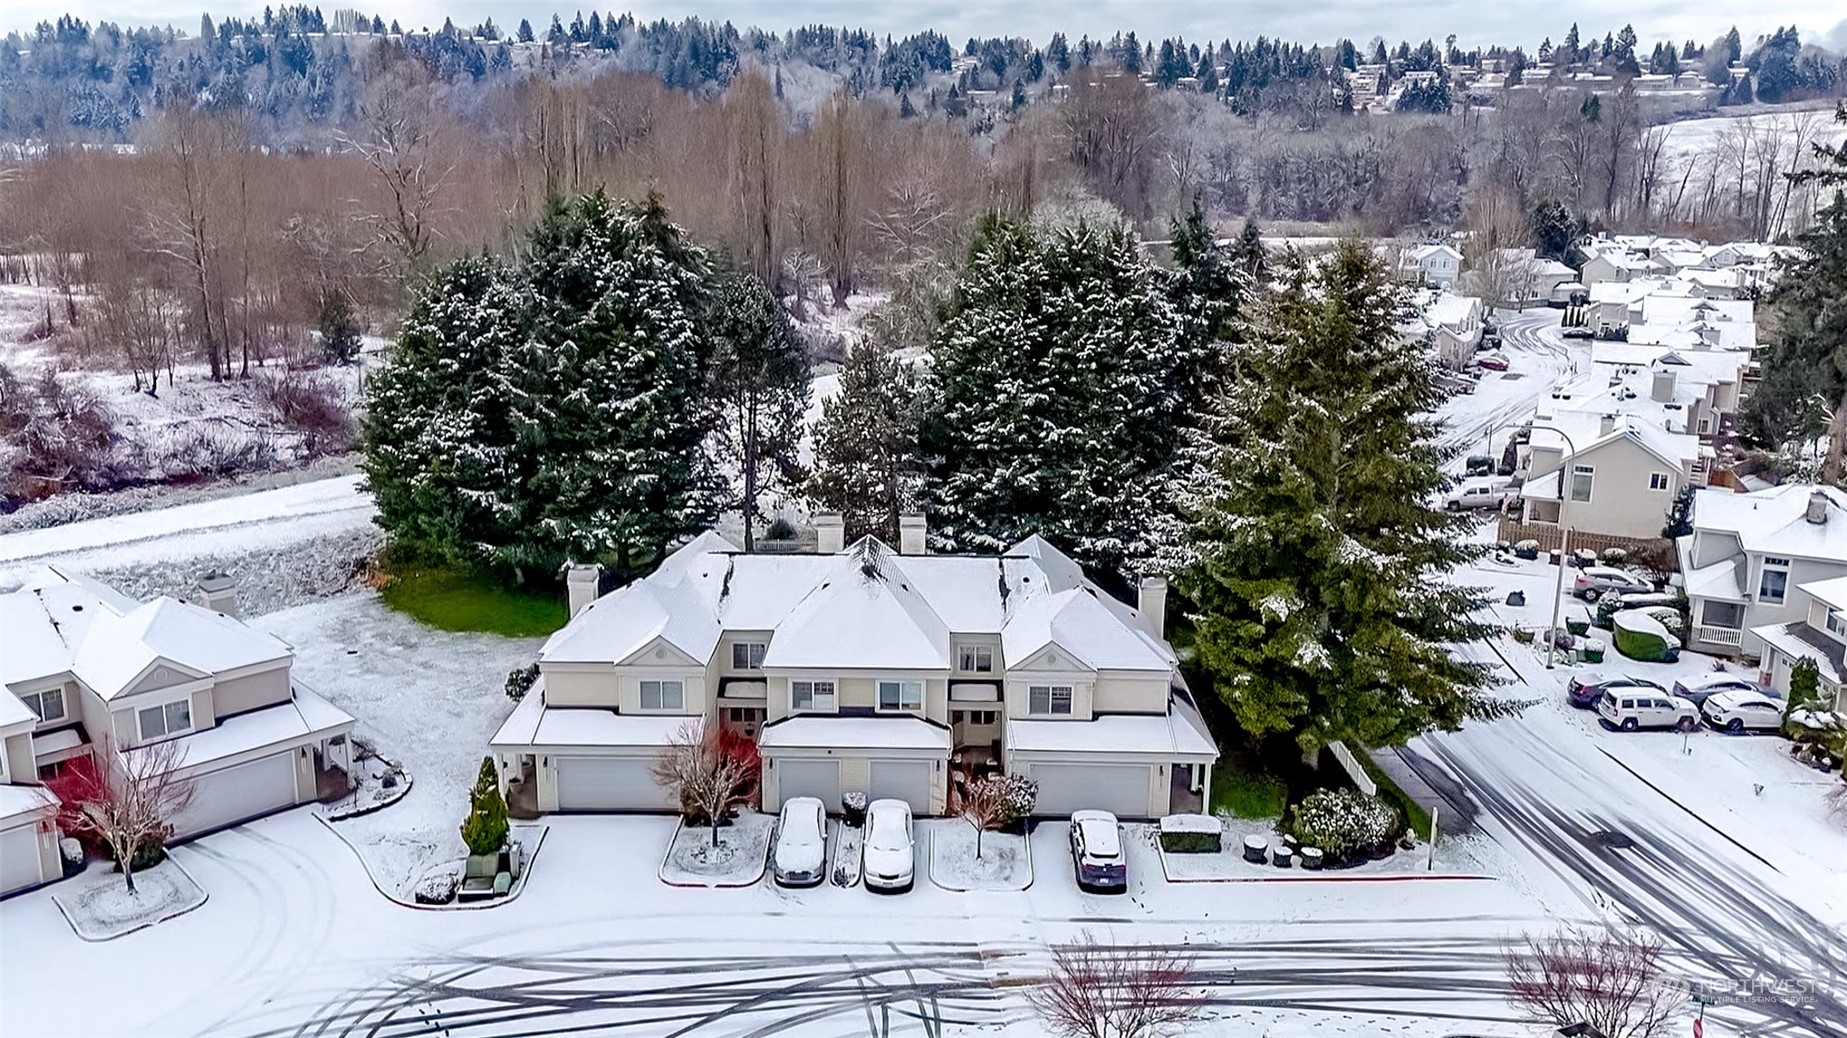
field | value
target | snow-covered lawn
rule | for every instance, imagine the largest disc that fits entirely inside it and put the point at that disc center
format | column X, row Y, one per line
column 1005, row 861
column 99, row 907
column 1228, row 863
column 737, row 859
column 428, row 699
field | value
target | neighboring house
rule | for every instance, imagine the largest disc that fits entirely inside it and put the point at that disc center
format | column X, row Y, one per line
column 1430, row 264
column 1680, row 391
column 1821, row 635
column 1612, row 476
column 86, row 663
column 862, row 669
column 1748, row 552
column 1616, row 265
column 28, row 811
column 1450, row 324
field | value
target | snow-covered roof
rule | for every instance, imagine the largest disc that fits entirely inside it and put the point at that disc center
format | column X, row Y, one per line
column 1077, row 622
column 865, row 614
column 898, row 732
column 1831, row 592
column 1177, row 733
column 1775, row 521
column 57, row 623
column 305, row 718
column 1723, row 580
column 24, row 800
column 1797, row 640
column 1586, row 435
column 621, row 623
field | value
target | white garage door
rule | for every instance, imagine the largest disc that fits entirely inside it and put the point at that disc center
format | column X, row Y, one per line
column 226, row 797
column 809, row 778
column 610, row 784
column 1121, row 789
column 906, row 780
column 18, row 858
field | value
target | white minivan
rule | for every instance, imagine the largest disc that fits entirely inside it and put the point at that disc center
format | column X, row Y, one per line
column 1631, row 708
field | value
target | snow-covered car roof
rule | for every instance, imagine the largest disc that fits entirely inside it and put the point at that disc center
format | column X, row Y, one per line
column 1734, row 698
column 884, row 817
column 1101, row 835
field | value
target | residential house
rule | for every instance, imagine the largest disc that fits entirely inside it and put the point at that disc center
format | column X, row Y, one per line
column 85, row 665
column 1612, row 264
column 1529, row 279
column 1680, row 390
column 1609, row 478
column 1748, row 552
column 1821, row 635
column 863, row 669
column 1450, row 325
column 1436, row 265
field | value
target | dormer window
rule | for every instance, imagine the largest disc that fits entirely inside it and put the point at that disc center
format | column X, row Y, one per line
column 748, row 655
column 48, row 705
column 975, row 659
column 663, row 695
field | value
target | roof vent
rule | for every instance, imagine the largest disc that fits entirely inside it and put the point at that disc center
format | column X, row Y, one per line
column 1818, row 507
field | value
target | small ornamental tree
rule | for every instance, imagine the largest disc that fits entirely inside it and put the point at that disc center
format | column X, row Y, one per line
column 485, row 829
column 707, row 779
column 1804, row 685
column 995, row 802
column 1615, row 981
column 1679, row 515
column 339, row 328
column 1116, row 991
column 126, row 800
column 520, row 681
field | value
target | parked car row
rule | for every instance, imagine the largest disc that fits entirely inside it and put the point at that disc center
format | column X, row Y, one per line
column 1723, row 701
column 799, row 859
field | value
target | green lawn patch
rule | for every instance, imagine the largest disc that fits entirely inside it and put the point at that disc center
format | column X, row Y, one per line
column 453, row 599
column 1242, row 788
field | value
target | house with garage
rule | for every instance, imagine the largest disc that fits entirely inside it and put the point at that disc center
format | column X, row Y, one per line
column 860, row 668
column 1607, row 476
column 1749, row 553
column 1437, row 265
column 1821, row 636
column 94, row 669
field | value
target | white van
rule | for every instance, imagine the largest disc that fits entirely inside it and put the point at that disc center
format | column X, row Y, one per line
column 1481, row 492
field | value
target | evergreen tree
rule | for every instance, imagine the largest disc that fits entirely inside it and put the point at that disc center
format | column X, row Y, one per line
column 1055, row 394
column 339, row 328
column 1806, row 364
column 1208, row 74
column 525, row 31
column 1058, row 53
column 1248, row 251
column 1207, row 290
column 1568, row 50
column 485, row 828
column 906, row 110
column 1320, row 567
column 1553, row 229
column 1734, row 46
column 1679, row 515
column 867, row 465
column 760, row 386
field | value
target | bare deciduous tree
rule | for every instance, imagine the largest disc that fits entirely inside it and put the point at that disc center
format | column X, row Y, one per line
column 1113, row 130
column 1116, row 991
column 708, row 779
column 397, row 139
column 125, row 798
column 1610, row 979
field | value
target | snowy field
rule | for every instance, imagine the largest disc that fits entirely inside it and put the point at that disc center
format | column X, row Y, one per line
column 1705, row 138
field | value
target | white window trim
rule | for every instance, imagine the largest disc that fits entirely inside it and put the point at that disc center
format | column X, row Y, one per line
column 1666, row 480
column 761, row 647
column 1051, row 700
column 64, row 705
column 1836, row 624
column 1571, row 487
column 192, row 721
column 833, row 696
column 977, row 650
column 1773, row 564
column 878, row 692
column 641, row 686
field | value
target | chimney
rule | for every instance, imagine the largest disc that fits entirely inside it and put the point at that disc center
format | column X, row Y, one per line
column 1606, row 425
column 1818, row 507
column 582, row 585
column 911, row 530
column 1151, row 602
column 1664, row 387
column 830, row 533
column 216, row 591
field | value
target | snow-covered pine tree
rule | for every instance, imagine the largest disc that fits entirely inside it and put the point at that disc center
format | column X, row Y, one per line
column 760, row 387
column 1321, row 581
column 1208, row 287
column 1247, row 251
column 440, row 456
column 866, row 461
column 1052, row 406
column 609, row 387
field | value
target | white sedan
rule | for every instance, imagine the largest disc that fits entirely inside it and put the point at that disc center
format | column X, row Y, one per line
column 801, row 843
column 1743, row 711
column 889, row 854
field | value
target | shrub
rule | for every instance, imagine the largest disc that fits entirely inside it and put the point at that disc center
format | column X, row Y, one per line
column 1615, row 556
column 313, row 407
column 1191, row 834
column 520, row 681
column 1641, row 637
column 1341, row 821
column 485, row 829
column 339, row 328
column 781, row 529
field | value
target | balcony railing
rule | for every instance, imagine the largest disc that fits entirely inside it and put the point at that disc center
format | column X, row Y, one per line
column 1717, row 635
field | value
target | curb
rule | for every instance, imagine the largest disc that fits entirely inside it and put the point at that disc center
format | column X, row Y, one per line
column 360, row 812
column 661, row 873
column 138, row 927
column 1302, row 876
column 1031, row 875
column 472, row 906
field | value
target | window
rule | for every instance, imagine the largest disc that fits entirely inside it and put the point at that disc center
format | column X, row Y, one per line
column 1775, row 579
column 975, row 659
column 1658, row 481
column 663, row 695
column 747, row 655
column 1581, row 477
column 167, row 719
column 980, row 717
column 1048, row 699
column 900, row 695
column 1729, row 615
column 1836, row 625
column 48, row 705
column 811, row 695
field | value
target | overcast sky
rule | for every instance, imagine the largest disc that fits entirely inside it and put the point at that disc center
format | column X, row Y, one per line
column 1523, row 22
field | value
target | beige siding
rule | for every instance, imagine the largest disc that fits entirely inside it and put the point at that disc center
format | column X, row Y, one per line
column 1018, row 699
column 20, row 766
column 721, row 658
column 250, row 692
column 581, row 687
column 1621, row 505
column 1130, row 694
column 858, row 692
column 1710, row 546
column 855, row 775
column 692, row 684
column 203, row 716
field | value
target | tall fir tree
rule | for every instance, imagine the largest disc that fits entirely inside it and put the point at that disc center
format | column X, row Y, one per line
column 1320, row 573
column 760, row 387
column 1054, row 399
column 867, row 465
column 1207, row 288
column 1248, row 251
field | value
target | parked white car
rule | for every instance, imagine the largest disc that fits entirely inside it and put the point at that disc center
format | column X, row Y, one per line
column 801, row 843
column 1738, row 711
column 1593, row 582
column 889, row 854
column 1698, row 690
column 1630, row 709
column 1481, row 492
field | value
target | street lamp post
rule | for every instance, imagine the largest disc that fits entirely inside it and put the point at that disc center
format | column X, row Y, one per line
column 1564, row 541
